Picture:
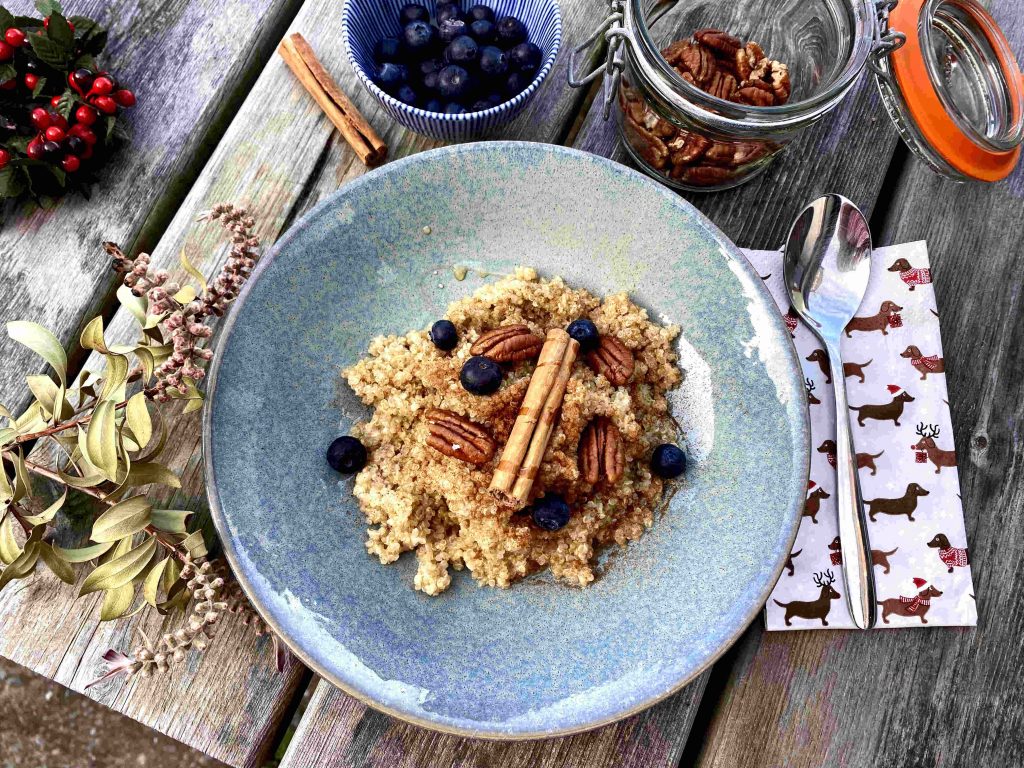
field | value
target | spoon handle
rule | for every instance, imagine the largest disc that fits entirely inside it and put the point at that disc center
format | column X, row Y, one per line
column 860, row 588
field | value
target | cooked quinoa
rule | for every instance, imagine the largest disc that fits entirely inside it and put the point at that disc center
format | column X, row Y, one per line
column 416, row 498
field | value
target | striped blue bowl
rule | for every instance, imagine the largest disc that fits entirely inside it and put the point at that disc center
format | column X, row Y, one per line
column 364, row 22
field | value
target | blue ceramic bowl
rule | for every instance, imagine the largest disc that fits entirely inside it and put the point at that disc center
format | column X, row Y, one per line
column 540, row 658
column 364, row 22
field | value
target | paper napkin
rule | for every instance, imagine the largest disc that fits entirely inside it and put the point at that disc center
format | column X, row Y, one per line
column 903, row 437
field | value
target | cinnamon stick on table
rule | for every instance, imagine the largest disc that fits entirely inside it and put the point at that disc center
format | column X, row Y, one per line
column 521, row 458
column 299, row 56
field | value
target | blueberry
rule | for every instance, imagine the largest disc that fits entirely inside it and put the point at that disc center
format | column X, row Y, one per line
column 388, row 49
column 346, row 455
column 443, row 332
column 420, row 38
column 585, row 332
column 391, row 76
column 480, row 376
column 430, row 81
column 493, row 62
column 446, row 11
column 429, row 71
column 511, row 31
column 413, row 12
column 668, row 461
column 454, row 108
column 480, row 13
column 453, row 82
column 550, row 512
column 434, row 105
column 525, row 57
column 487, row 102
column 483, row 31
column 453, row 28
column 463, row 51
column 406, row 94
column 517, row 83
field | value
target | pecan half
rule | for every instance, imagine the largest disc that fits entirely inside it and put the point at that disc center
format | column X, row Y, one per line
column 651, row 148
column 757, row 93
column 747, row 58
column 687, row 148
column 780, row 81
column 601, row 454
column 687, row 56
column 717, row 40
column 613, row 360
column 705, row 175
column 458, row 437
column 508, row 344
column 722, row 85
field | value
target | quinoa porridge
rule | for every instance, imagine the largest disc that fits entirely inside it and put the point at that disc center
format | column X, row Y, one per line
column 440, row 439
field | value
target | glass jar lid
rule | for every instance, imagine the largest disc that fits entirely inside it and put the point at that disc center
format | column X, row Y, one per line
column 954, row 89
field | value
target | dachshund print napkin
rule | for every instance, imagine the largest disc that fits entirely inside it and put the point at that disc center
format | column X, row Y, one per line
column 903, row 439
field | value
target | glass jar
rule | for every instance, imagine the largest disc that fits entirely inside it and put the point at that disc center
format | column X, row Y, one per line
column 701, row 109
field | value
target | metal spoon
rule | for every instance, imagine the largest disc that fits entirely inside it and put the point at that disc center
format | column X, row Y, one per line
column 827, row 264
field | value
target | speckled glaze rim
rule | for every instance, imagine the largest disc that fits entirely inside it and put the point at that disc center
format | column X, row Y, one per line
column 510, row 107
column 801, row 428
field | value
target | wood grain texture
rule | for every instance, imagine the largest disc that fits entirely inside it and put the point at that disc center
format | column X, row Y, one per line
column 933, row 697
column 185, row 59
column 339, row 732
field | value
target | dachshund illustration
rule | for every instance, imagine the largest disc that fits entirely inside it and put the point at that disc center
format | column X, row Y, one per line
column 878, row 556
column 856, row 369
column 864, row 460
column 876, row 322
column 905, row 505
column 811, row 398
column 951, row 557
column 924, row 364
column 937, row 456
column 890, row 411
column 789, row 561
column 813, row 504
column 917, row 605
column 813, row 609
column 791, row 318
column 911, row 276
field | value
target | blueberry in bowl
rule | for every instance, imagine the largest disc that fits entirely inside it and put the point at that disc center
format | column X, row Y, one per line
column 425, row 38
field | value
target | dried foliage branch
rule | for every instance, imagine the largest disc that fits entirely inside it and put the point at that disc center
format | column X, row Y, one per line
column 105, row 441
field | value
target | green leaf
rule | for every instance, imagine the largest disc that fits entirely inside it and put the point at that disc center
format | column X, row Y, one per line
column 148, row 363
column 117, row 602
column 137, row 305
column 137, row 415
column 189, row 267
column 195, row 544
column 60, row 567
column 6, row 18
column 6, row 489
column 40, row 84
column 92, row 336
column 22, row 480
column 171, row 520
column 48, row 7
column 49, row 513
column 83, row 554
column 5, row 414
column 114, row 378
column 185, row 295
column 120, row 570
column 101, row 440
column 22, row 566
column 59, row 31
column 31, row 420
column 193, row 405
column 85, row 481
column 7, row 435
column 42, row 342
column 125, row 518
column 13, row 181
column 146, row 472
column 45, row 391
column 66, row 103
column 9, row 548
column 151, row 586
column 7, row 72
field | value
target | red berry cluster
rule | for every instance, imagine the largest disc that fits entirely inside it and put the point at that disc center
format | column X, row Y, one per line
column 59, row 107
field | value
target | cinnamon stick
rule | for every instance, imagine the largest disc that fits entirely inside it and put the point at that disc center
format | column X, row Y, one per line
column 545, row 427
column 354, row 128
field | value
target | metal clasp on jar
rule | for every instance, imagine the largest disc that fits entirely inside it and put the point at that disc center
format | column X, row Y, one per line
column 886, row 40
column 614, row 33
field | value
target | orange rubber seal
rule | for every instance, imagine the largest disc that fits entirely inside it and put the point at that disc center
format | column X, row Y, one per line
column 926, row 109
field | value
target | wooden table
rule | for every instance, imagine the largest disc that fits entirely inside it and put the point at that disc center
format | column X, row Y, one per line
column 221, row 119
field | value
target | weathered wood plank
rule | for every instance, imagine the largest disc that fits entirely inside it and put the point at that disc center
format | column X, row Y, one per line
column 931, row 697
column 279, row 156
column 185, row 60
column 339, row 732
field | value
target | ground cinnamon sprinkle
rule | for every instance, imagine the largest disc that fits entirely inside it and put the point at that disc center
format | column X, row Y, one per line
column 416, row 498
